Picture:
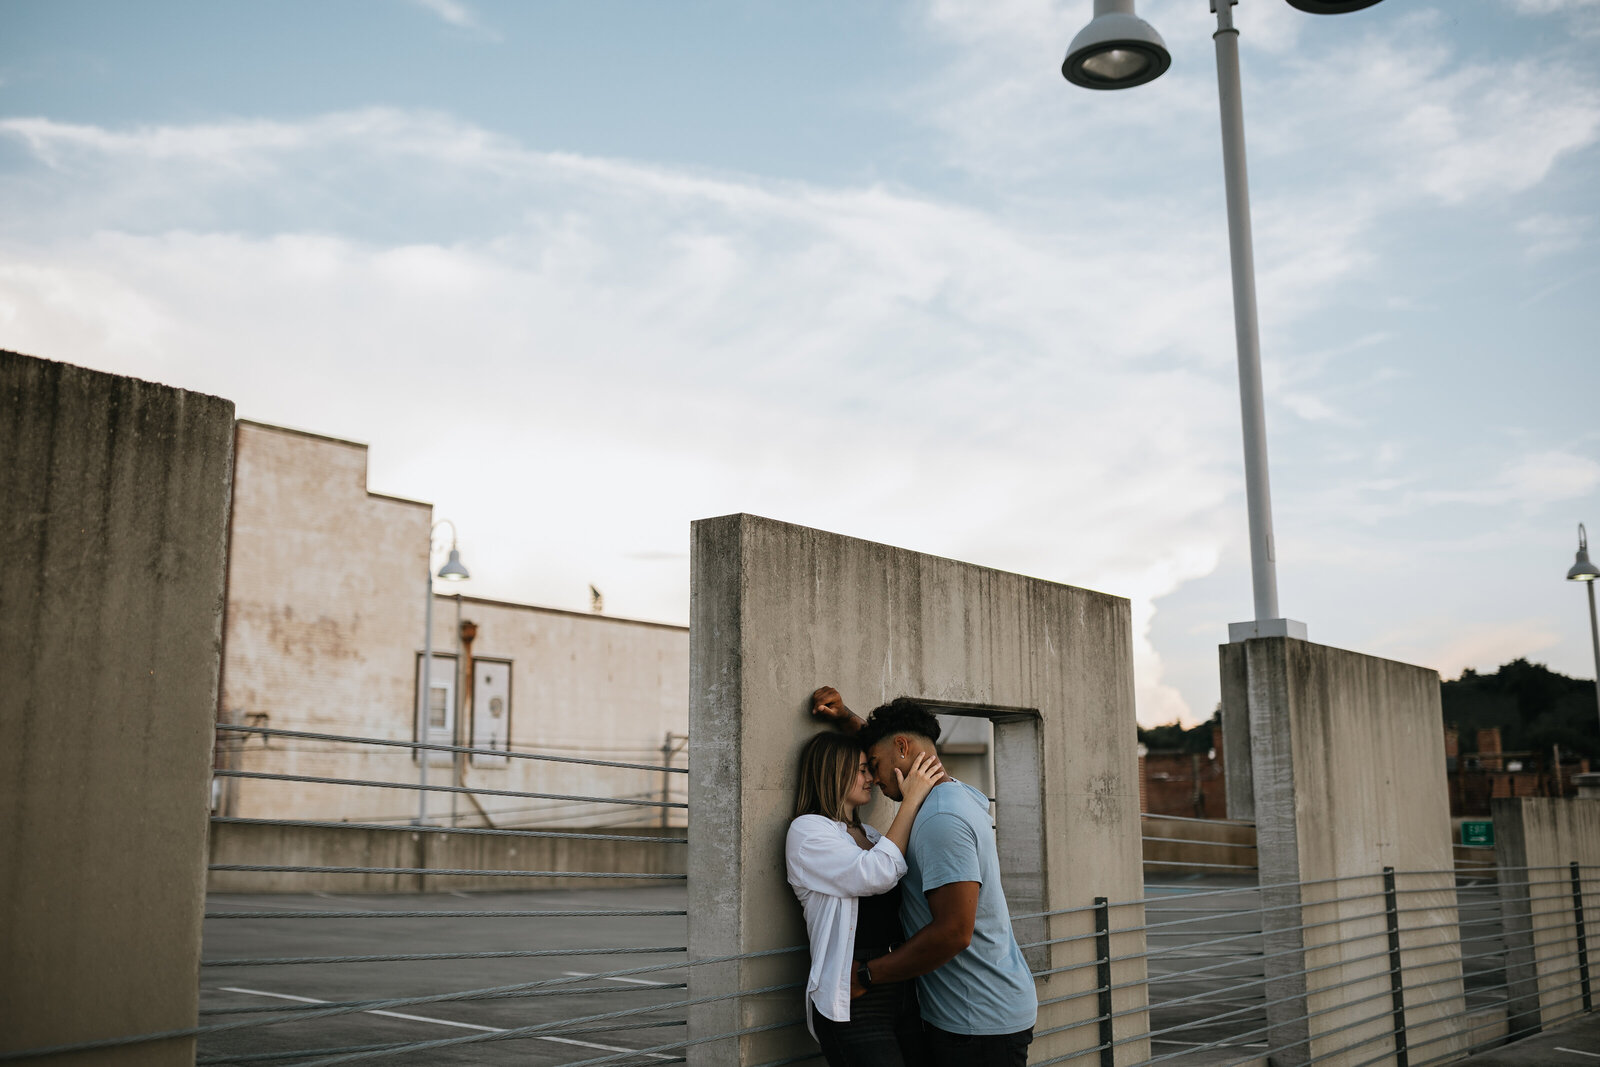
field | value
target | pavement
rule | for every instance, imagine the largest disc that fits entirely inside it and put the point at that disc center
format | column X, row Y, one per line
column 1570, row 1044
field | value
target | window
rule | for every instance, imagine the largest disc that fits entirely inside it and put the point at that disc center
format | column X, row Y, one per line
column 441, row 707
column 1017, row 762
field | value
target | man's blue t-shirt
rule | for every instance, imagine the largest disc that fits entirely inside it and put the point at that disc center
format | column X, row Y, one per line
column 987, row 988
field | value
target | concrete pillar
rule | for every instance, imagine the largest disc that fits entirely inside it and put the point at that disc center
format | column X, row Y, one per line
column 113, row 533
column 1535, row 841
column 778, row 610
column 1346, row 762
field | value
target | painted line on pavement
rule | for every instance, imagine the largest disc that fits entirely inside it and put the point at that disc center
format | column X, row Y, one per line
column 630, row 981
column 446, row 1022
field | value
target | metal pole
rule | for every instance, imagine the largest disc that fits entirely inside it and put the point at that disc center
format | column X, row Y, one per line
column 1594, row 635
column 1102, row 973
column 424, row 698
column 1258, row 496
column 1397, row 985
column 1583, row 940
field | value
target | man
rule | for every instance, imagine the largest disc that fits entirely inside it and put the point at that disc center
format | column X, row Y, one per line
column 976, row 993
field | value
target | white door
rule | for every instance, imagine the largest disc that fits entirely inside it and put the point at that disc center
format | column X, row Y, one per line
column 491, row 711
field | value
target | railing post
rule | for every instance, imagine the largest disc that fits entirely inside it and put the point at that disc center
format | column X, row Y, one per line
column 1583, row 941
column 1102, row 974
column 1397, row 985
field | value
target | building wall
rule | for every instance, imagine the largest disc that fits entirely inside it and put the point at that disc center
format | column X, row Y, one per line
column 1347, row 768
column 780, row 609
column 324, row 634
column 1536, row 839
column 113, row 522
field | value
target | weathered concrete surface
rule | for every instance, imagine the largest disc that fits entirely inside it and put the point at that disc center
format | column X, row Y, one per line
column 1348, row 777
column 1536, row 841
column 253, row 844
column 112, row 528
column 779, row 609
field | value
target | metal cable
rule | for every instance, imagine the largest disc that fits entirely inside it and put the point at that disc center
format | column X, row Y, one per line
column 496, row 752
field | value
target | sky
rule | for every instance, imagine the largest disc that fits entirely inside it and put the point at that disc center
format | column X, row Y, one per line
column 581, row 273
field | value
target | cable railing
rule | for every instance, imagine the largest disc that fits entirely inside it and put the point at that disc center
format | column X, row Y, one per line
column 573, row 941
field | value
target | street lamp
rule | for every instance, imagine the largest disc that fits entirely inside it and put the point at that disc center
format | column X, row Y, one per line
column 1118, row 50
column 1584, row 571
column 452, row 571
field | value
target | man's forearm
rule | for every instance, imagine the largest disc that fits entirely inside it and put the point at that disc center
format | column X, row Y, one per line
column 930, row 948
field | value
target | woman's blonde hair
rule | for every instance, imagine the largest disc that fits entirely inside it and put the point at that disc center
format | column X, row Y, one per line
column 828, row 766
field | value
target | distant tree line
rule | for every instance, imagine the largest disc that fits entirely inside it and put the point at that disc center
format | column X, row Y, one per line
column 1533, row 706
column 1174, row 738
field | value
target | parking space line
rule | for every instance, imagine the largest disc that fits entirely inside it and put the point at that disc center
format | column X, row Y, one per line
column 1579, row 1052
column 445, row 1022
column 629, row 981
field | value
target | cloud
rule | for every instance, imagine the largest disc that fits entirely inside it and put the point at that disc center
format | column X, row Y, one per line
column 1547, row 235
column 457, row 14
column 1531, row 481
column 635, row 346
column 1450, row 646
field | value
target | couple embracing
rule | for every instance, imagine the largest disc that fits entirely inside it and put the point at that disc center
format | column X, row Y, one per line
column 912, row 956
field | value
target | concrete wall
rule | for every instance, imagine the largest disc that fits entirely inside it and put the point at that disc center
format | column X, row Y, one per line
column 644, row 851
column 324, row 634
column 1347, row 766
column 113, row 532
column 778, row 610
column 1536, row 839
column 1178, row 846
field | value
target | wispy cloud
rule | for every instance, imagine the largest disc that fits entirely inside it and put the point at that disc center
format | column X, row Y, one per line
column 455, row 13
column 1531, row 481
column 1548, row 235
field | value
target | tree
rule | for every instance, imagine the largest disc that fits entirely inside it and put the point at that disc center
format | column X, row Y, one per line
column 1533, row 706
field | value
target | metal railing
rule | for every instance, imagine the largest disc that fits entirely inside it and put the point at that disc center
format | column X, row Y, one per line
column 573, row 941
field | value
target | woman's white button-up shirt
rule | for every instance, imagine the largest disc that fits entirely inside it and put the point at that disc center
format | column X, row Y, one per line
column 830, row 872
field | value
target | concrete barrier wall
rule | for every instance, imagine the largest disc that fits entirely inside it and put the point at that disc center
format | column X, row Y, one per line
column 1174, row 846
column 254, row 844
column 1347, row 777
column 1536, row 840
column 113, row 531
column 778, row 610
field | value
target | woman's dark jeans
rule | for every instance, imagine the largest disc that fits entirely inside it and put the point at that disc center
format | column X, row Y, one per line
column 885, row 1030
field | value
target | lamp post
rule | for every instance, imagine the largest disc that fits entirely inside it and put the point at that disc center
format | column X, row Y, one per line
column 452, row 571
column 1119, row 50
column 1584, row 571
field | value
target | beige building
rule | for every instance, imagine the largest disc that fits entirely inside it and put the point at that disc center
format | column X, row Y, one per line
column 323, row 634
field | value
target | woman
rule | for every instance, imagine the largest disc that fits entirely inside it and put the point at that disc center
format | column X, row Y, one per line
column 847, row 878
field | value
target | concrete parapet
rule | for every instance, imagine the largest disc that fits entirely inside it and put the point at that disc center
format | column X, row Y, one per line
column 1174, row 846
column 1347, row 777
column 113, row 531
column 1537, row 839
column 404, row 848
column 778, row 610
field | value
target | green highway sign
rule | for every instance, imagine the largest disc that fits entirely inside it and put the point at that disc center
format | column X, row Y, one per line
column 1478, row 833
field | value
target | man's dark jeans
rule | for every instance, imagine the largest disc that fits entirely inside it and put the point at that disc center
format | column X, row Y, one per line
column 977, row 1050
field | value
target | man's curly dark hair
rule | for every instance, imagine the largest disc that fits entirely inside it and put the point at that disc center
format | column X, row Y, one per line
column 902, row 715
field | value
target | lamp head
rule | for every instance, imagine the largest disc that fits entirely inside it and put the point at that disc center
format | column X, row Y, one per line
column 1582, row 570
column 1117, row 50
column 453, row 570
column 1331, row 7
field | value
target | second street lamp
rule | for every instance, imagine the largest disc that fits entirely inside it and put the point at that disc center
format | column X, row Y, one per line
column 1582, row 570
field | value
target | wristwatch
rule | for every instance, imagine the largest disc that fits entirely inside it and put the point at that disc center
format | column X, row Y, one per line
column 864, row 974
